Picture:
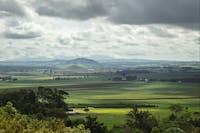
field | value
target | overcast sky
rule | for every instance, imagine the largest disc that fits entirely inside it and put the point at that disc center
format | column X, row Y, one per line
column 131, row 29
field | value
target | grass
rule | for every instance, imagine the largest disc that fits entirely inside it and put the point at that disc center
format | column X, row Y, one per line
column 130, row 92
column 117, row 116
column 162, row 94
column 109, row 116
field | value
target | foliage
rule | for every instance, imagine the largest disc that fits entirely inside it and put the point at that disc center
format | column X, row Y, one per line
column 42, row 102
column 91, row 123
column 174, row 130
column 176, row 108
column 95, row 127
column 141, row 120
column 179, row 121
column 78, row 129
column 11, row 121
column 118, row 129
column 156, row 130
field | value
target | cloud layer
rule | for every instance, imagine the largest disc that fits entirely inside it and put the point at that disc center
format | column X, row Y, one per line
column 124, row 11
column 11, row 8
column 153, row 29
column 156, row 11
column 79, row 9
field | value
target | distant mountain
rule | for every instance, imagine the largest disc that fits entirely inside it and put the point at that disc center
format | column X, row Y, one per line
column 84, row 62
column 93, row 63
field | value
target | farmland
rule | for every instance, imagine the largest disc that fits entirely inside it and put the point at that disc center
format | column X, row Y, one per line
column 160, row 94
column 151, row 89
column 112, row 100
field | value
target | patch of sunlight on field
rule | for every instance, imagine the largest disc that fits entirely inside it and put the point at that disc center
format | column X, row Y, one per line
column 120, row 111
column 117, row 116
column 33, row 77
column 78, row 101
column 43, row 78
column 104, row 110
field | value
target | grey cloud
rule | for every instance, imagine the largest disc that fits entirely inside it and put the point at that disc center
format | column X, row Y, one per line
column 21, row 35
column 179, row 12
column 10, row 8
column 156, row 11
column 16, row 28
column 79, row 9
column 20, row 31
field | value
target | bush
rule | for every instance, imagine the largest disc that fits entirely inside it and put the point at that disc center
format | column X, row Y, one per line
column 13, row 122
column 174, row 130
column 142, row 120
column 77, row 129
column 95, row 127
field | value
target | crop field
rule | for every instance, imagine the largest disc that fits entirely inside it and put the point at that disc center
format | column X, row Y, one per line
column 117, row 116
column 112, row 100
column 161, row 94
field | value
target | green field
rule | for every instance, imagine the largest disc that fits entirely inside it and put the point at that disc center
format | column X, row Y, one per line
column 161, row 94
column 117, row 116
column 106, row 94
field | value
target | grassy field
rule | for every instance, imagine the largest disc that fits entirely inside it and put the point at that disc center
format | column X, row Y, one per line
column 117, row 116
column 110, row 93
column 161, row 94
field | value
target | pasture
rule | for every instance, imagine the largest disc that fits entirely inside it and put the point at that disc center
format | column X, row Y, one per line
column 161, row 94
column 158, row 93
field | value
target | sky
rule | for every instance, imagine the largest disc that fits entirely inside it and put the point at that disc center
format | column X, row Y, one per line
column 120, row 29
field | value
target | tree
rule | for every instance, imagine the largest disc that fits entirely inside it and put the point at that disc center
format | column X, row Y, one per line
column 174, row 130
column 11, row 121
column 180, row 119
column 52, row 97
column 141, row 120
column 40, row 102
column 176, row 108
column 156, row 130
column 94, row 125
column 8, row 109
column 78, row 129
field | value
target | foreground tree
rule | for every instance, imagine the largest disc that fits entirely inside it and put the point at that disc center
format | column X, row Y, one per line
column 95, row 126
column 180, row 120
column 11, row 121
column 77, row 129
column 41, row 102
column 138, row 121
